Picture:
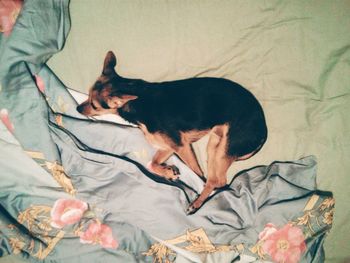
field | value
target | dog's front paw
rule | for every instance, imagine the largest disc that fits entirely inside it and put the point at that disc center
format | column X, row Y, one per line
column 170, row 172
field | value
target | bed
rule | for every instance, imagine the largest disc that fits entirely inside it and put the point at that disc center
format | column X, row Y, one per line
column 75, row 189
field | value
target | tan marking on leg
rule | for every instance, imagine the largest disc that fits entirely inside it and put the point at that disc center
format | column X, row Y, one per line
column 157, row 140
column 161, row 156
column 218, row 163
column 165, row 149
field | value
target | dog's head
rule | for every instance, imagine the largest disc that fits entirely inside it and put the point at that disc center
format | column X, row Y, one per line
column 106, row 96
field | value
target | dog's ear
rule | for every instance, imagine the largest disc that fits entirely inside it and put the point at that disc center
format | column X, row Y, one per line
column 109, row 63
column 120, row 101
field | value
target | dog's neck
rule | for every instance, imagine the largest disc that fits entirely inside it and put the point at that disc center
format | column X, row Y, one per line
column 136, row 87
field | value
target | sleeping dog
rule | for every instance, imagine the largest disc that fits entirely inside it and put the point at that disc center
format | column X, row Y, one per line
column 174, row 114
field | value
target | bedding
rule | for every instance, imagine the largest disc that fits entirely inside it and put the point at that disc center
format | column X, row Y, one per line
column 74, row 189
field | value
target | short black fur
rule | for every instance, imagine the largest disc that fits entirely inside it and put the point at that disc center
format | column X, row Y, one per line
column 195, row 104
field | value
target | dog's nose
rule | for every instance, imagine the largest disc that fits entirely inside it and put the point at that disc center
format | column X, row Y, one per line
column 80, row 108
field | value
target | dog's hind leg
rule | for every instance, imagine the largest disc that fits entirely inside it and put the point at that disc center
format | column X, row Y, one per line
column 218, row 164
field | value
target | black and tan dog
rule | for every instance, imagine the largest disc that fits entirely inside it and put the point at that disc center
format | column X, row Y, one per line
column 174, row 114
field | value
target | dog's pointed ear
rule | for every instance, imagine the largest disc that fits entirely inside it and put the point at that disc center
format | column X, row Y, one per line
column 109, row 63
column 120, row 101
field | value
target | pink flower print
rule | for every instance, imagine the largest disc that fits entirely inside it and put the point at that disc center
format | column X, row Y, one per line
column 4, row 117
column 98, row 233
column 40, row 83
column 268, row 230
column 67, row 212
column 9, row 10
column 285, row 245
